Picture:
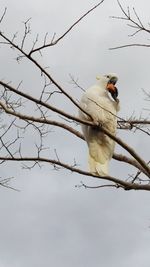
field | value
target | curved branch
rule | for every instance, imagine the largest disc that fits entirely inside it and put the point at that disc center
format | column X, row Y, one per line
column 52, row 43
column 120, row 183
column 129, row 45
column 99, row 186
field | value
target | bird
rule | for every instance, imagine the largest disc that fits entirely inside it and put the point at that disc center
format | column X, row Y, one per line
column 100, row 102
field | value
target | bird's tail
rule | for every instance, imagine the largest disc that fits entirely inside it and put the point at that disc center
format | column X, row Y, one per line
column 97, row 167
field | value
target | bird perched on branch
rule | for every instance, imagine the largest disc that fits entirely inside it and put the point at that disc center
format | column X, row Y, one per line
column 101, row 103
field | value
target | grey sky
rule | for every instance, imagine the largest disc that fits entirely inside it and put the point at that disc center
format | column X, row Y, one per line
column 50, row 222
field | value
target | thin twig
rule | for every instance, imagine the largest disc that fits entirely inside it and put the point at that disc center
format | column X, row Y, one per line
column 98, row 186
column 3, row 15
column 130, row 45
column 54, row 42
column 135, row 24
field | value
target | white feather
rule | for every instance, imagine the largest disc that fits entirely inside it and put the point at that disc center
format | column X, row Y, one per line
column 96, row 102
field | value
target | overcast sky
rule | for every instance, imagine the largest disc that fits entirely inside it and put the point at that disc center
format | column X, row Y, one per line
column 50, row 222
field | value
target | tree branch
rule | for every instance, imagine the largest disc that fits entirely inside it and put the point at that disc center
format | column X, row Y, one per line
column 123, row 184
column 129, row 45
column 41, row 120
column 135, row 23
column 54, row 42
column 132, row 162
column 37, row 101
column 45, row 72
column 98, row 186
column 130, row 150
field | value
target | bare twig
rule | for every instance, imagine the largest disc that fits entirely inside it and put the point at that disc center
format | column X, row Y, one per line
column 54, row 42
column 134, row 23
column 98, row 186
column 3, row 15
column 130, row 45
column 75, row 82
column 5, row 183
column 26, row 31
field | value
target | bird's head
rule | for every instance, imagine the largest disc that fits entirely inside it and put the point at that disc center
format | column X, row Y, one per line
column 109, row 82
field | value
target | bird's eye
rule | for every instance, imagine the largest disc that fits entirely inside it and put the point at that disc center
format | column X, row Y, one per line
column 108, row 76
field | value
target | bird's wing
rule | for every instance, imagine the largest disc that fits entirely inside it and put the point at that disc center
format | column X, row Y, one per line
column 103, row 111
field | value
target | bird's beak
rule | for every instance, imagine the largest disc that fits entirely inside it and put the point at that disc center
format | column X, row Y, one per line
column 112, row 88
column 114, row 94
column 113, row 80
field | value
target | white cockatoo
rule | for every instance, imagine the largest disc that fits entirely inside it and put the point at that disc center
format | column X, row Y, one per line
column 101, row 102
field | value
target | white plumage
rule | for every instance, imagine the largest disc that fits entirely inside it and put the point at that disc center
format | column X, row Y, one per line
column 97, row 102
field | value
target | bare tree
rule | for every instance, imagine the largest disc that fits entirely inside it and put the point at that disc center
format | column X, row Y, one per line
column 15, row 103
